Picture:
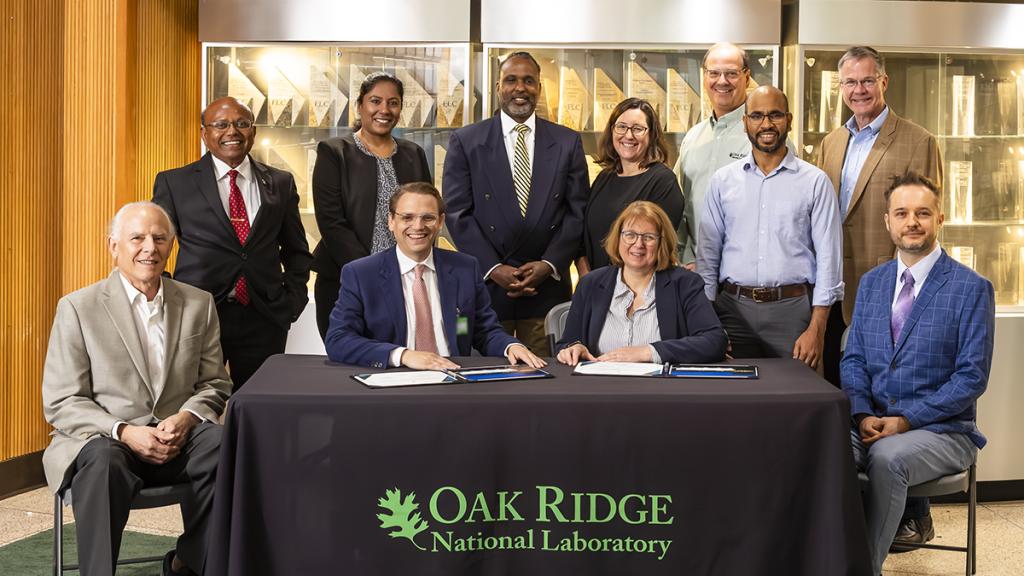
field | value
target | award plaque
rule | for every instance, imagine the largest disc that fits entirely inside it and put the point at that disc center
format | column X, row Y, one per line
column 1007, row 273
column 642, row 85
column 960, row 201
column 831, row 110
column 325, row 100
column 606, row 97
column 963, row 255
column 439, row 154
column 963, row 105
column 306, row 200
column 242, row 89
column 450, row 99
column 572, row 99
column 547, row 103
column 1006, row 94
column 683, row 103
column 416, row 104
column 285, row 100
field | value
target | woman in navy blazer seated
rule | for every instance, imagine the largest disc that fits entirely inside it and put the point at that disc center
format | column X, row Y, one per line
column 644, row 307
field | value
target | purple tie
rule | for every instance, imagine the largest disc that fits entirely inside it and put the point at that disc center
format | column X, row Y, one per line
column 904, row 303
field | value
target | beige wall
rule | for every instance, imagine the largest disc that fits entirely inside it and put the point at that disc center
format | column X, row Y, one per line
column 95, row 98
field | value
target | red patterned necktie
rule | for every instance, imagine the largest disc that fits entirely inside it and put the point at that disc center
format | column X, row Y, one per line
column 240, row 222
column 425, row 340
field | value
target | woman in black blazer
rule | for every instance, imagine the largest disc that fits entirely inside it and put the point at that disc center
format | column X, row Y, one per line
column 353, row 179
column 643, row 307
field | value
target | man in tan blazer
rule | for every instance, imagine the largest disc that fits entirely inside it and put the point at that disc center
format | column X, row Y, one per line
column 133, row 385
column 861, row 158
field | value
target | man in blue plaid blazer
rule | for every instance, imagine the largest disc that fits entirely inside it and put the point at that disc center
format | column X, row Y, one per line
column 917, row 359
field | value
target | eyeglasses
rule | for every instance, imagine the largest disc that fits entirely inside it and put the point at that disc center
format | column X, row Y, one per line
column 621, row 129
column 630, row 237
column 774, row 117
column 730, row 75
column 243, row 124
column 409, row 218
column 868, row 83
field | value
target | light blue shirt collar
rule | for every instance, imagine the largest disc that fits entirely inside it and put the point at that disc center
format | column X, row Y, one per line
column 789, row 162
column 872, row 127
column 920, row 270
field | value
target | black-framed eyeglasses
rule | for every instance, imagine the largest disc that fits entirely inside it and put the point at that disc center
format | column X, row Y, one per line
column 241, row 124
column 630, row 237
column 774, row 117
column 620, row 129
column 851, row 84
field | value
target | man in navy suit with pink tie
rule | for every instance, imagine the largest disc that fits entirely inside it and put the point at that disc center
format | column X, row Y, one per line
column 516, row 187
column 412, row 305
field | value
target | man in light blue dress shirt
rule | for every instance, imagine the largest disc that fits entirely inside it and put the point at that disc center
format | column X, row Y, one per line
column 769, row 248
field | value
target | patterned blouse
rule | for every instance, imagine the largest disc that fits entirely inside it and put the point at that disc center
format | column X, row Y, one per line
column 387, row 184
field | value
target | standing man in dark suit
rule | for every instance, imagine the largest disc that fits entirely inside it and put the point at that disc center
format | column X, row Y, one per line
column 412, row 305
column 917, row 359
column 860, row 158
column 516, row 187
column 241, row 238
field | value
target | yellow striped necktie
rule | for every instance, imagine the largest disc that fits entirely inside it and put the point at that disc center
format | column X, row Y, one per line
column 521, row 168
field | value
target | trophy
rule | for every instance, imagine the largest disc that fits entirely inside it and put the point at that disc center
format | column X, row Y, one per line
column 683, row 103
column 284, row 98
column 417, row 102
column 963, row 105
column 960, row 201
column 242, row 89
column 325, row 100
column 642, row 85
column 831, row 108
column 963, row 255
column 572, row 98
column 1007, row 273
column 439, row 154
column 450, row 99
column 306, row 200
column 606, row 97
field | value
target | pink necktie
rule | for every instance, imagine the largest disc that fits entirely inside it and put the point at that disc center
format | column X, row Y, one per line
column 240, row 222
column 425, row 341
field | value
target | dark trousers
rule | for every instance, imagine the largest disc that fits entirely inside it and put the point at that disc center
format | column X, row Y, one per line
column 763, row 329
column 247, row 339
column 325, row 293
column 832, row 353
column 107, row 475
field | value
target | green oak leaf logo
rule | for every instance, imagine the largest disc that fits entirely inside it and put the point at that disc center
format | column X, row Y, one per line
column 402, row 516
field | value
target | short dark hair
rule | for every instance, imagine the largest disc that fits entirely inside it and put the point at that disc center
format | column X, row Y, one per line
column 521, row 54
column 858, row 52
column 424, row 188
column 657, row 150
column 911, row 178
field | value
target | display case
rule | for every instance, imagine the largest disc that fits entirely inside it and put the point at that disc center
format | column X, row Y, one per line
column 581, row 85
column 965, row 84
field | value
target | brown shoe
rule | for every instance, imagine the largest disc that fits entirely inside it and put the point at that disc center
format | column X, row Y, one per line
column 913, row 531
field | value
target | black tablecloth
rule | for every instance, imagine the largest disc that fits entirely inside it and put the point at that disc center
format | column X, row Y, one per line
column 567, row 476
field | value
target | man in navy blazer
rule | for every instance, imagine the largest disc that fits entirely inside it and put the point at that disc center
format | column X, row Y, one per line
column 379, row 321
column 917, row 359
column 516, row 187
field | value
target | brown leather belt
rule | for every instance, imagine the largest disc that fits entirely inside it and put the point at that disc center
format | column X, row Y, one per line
column 765, row 294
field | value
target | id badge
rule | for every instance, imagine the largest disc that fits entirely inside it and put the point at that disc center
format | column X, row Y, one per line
column 461, row 326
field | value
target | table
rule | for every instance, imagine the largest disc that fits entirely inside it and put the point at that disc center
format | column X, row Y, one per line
column 571, row 476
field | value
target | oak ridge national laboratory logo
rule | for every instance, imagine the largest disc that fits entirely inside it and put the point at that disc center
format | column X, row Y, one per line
column 545, row 519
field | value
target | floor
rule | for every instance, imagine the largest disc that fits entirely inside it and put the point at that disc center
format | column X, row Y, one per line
column 1000, row 534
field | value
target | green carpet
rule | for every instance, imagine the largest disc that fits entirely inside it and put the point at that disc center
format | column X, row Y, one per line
column 33, row 556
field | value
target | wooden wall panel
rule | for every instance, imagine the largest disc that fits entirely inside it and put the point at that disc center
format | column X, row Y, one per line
column 31, row 36
column 96, row 97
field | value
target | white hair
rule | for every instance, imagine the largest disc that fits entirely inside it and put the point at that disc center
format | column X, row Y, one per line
column 114, row 230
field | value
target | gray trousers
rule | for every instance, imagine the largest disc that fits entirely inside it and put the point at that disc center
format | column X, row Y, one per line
column 107, row 476
column 895, row 463
column 763, row 330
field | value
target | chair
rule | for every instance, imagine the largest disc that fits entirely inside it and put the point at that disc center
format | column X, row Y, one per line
column 153, row 497
column 554, row 324
column 963, row 481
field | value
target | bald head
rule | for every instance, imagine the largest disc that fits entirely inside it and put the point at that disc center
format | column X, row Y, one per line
column 771, row 93
column 228, row 130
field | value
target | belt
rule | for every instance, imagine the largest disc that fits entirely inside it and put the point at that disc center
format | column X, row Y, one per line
column 765, row 294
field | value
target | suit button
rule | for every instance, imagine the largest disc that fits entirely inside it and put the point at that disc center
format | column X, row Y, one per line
column 244, row 256
column 487, row 196
column 892, row 401
column 492, row 228
column 553, row 226
column 556, row 195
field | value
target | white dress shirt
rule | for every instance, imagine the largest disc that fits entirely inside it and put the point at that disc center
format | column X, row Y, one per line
column 407, row 268
column 919, row 271
column 246, row 185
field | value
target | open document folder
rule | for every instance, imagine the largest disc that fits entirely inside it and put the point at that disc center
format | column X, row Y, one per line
column 652, row 370
column 471, row 374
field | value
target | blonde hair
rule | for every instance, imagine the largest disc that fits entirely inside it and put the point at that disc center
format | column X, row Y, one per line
column 650, row 212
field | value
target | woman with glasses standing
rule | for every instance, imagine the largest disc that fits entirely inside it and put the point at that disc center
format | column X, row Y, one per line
column 643, row 307
column 633, row 154
column 353, row 179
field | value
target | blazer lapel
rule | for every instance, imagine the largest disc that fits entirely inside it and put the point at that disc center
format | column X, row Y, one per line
column 391, row 288
column 119, row 309
column 448, row 288
column 174, row 307
column 206, row 181
column 666, row 306
column 887, row 291
column 602, row 301
column 886, row 134
column 935, row 280
column 500, row 175
column 267, row 194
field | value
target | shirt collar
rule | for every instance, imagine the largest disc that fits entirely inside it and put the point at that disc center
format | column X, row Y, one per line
column 507, row 123
column 134, row 293
column 621, row 289
column 730, row 118
column 220, row 168
column 872, row 128
column 406, row 264
column 923, row 266
column 789, row 162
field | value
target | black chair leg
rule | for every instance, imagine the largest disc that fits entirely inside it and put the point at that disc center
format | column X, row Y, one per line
column 58, row 535
column 972, row 517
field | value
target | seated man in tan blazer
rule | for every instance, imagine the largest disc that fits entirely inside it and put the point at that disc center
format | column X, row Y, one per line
column 133, row 386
